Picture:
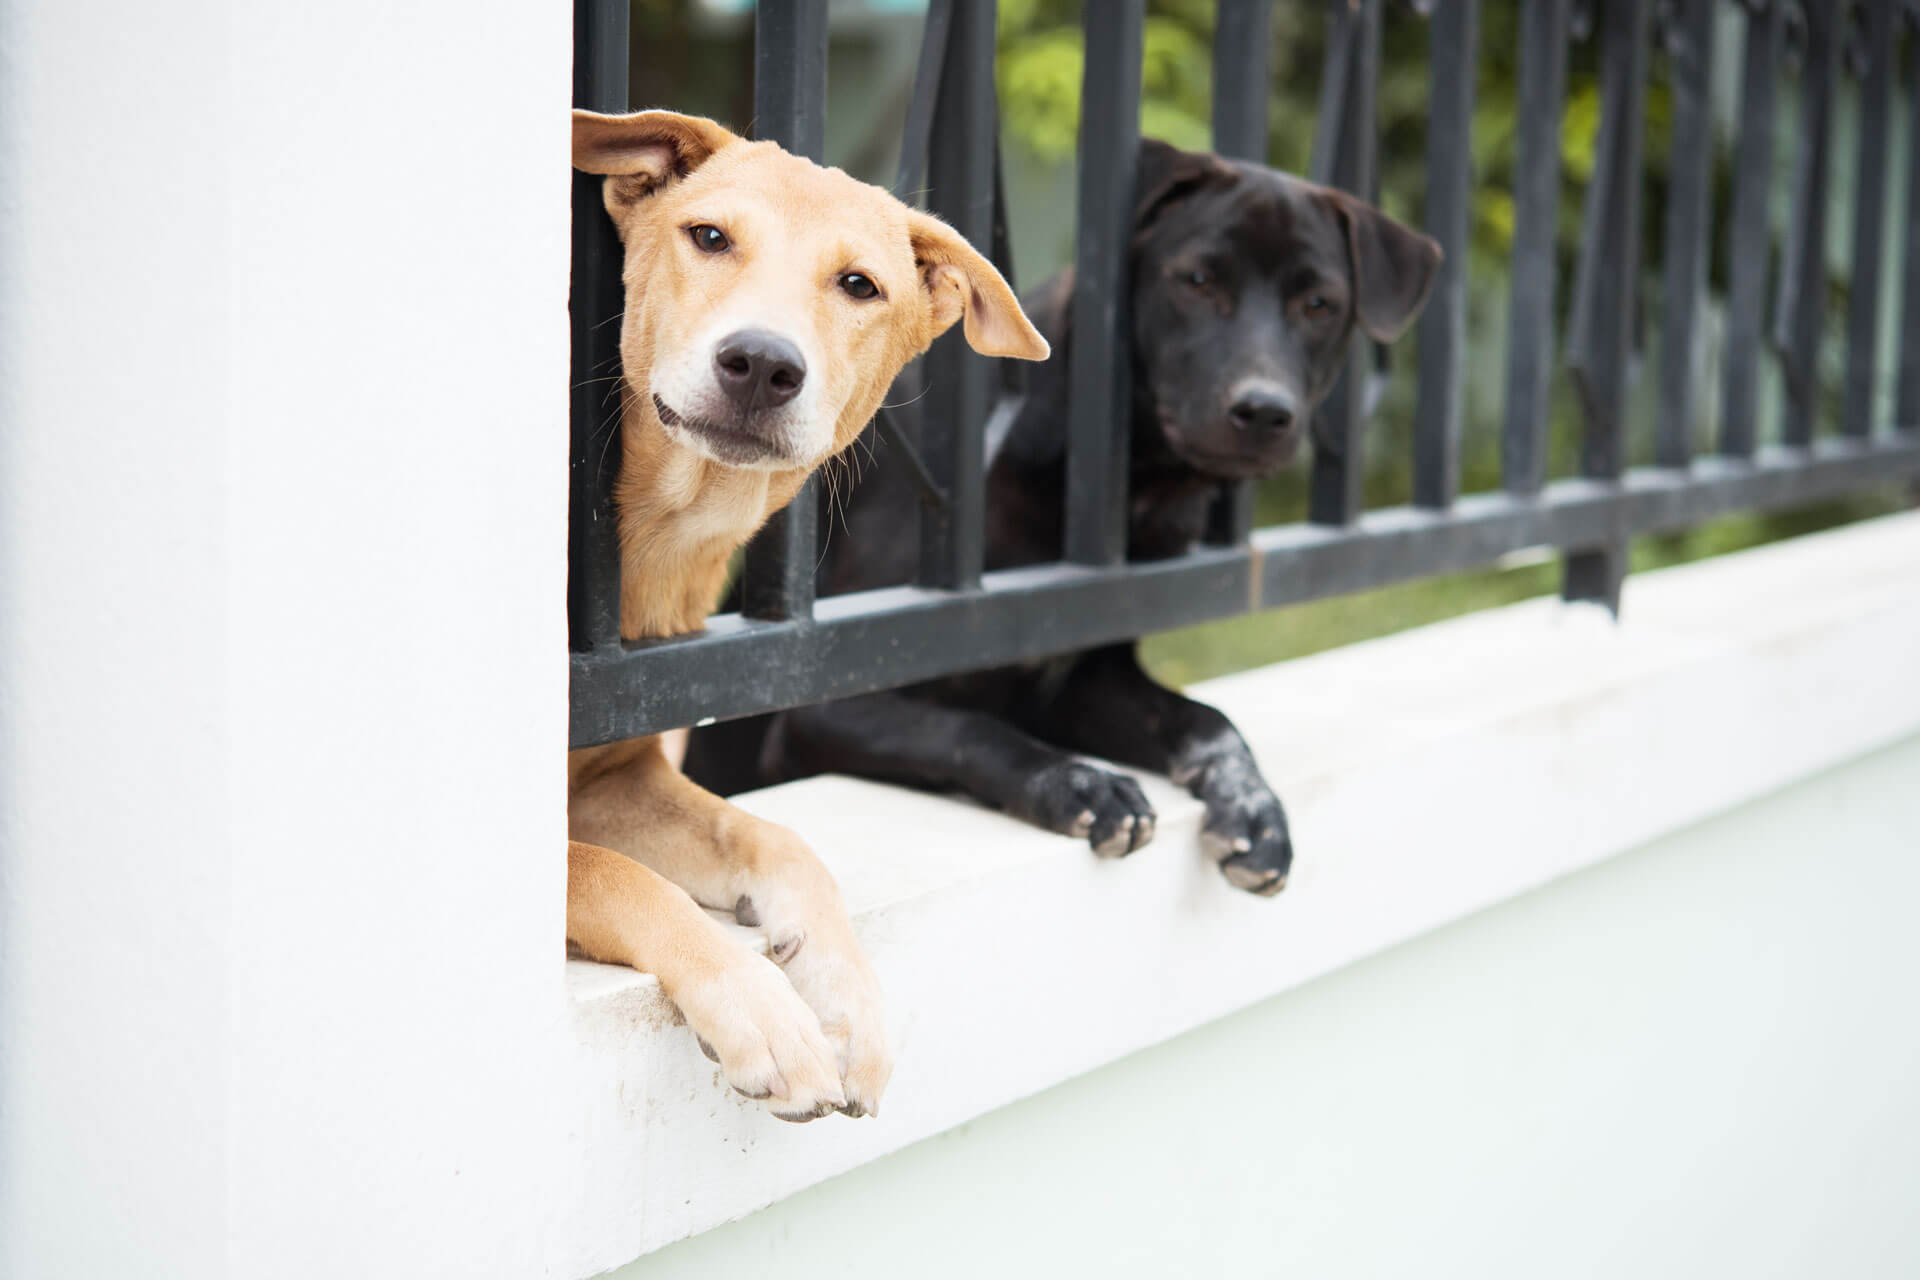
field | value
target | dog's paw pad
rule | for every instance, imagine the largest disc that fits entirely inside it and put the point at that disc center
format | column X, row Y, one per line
column 1119, row 841
column 1249, row 840
column 1242, row 874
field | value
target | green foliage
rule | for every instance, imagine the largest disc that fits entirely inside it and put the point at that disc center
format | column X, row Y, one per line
column 1042, row 58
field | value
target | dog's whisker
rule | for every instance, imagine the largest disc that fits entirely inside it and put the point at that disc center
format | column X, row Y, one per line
column 901, row 404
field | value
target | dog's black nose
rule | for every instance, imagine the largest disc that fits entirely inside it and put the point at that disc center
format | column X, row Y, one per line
column 1266, row 408
column 759, row 370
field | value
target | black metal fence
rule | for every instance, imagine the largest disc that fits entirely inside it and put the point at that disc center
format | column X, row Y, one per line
column 785, row 648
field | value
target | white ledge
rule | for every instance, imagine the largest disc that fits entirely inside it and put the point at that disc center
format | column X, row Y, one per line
column 1428, row 775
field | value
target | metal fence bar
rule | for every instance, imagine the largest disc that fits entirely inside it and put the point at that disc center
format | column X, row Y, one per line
column 1097, row 373
column 1689, row 221
column 1801, row 308
column 789, row 107
column 789, row 650
column 958, row 382
column 1879, row 29
column 917, row 136
column 880, row 639
column 1600, row 340
column 1242, row 45
column 1907, row 403
column 1536, row 219
column 595, row 306
column 1443, row 325
column 1750, row 259
column 1345, row 156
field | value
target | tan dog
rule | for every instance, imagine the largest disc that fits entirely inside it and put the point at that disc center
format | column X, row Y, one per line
column 769, row 304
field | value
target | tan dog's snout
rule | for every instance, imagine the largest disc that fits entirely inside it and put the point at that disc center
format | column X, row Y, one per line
column 758, row 370
column 741, row 396
column 745, row 393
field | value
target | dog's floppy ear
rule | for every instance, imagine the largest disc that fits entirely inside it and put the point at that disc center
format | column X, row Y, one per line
column 962, row 284
column 642, row 152
column 1166, row 175
column 1393, row 267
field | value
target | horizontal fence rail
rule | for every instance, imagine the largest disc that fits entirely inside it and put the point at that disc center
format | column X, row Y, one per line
column 786, row 649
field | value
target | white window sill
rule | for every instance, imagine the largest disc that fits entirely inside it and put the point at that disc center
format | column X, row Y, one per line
column 1428, row 775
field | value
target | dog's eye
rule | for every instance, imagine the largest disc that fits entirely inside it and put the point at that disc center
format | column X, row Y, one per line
column 855, row 285
column 709, row 239
column 1317, row 305
column 1199, row 278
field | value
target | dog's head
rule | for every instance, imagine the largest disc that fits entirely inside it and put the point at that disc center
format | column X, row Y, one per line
column 1248, row 283
column 770, row 301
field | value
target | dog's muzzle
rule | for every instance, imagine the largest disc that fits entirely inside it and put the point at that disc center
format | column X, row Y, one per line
column 742, row 443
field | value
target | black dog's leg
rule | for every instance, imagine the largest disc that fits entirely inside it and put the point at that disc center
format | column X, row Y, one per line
column 897, row 738
column 1109, row 707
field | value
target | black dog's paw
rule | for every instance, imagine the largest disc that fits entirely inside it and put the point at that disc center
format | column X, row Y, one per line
column 1248, row 838
column 1076, row 799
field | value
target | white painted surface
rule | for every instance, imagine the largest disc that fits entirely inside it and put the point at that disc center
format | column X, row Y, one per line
column 1430, row 775
column 283, row 354
column 1688, row 1062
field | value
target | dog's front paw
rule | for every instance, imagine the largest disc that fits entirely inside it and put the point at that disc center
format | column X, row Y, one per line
column 769, row 1044
column 1108, row 809
column 1247, row 836
column 833, row 976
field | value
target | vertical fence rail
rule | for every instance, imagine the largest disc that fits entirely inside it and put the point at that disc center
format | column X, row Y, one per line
column 916, row 137
column 1801, row 309
column 1443, row 326
column 1098, row 380
column 1344, row 156
column 1907, row 398
column 595, row 305
column 789, row 107
column 1689, row 220
column 1536, row 223
column 961, row 175
column 1242, row 47
column 1751, row 255
column 1606, row 292
column 1877, row 29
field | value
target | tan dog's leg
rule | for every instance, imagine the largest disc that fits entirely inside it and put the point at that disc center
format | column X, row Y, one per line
column 767, row 876
column 766, row 1039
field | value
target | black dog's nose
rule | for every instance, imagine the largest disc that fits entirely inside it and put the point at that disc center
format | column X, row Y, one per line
column 1266, row 408
column 759, row 370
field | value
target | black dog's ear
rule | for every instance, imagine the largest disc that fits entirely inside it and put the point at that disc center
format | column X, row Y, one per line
column 1167, row 175
column 644, row 151
column 1393, row 267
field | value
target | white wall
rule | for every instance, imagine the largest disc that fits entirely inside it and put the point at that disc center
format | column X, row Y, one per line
column 1694, row 1060
column 282, row 694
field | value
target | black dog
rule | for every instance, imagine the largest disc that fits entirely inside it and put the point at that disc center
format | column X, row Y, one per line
column 1247, row 284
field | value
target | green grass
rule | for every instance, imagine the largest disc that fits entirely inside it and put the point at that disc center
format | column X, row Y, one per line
column 1255, row 640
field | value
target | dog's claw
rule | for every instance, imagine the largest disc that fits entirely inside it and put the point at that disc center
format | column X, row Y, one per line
column 813, row 1113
